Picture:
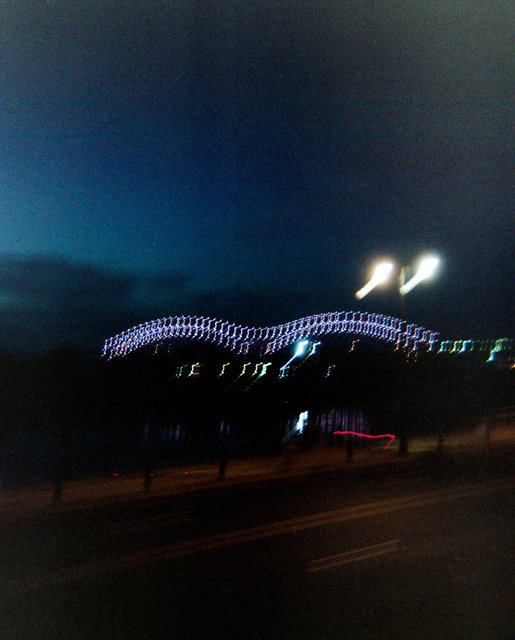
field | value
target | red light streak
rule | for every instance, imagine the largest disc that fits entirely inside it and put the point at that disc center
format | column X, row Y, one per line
column 366, row 435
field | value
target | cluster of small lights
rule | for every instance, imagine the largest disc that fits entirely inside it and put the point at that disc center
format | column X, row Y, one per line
column 268, row 340
column 244, row 369
column 195, row 370
column 468, row 346
column 373, row 325
column 264, row 366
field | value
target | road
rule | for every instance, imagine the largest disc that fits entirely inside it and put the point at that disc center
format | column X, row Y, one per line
column 422, row 552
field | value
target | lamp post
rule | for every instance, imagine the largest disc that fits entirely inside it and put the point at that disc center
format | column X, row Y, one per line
column 426, row 268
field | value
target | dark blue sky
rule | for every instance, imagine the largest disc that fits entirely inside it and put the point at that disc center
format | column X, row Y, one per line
column 250, row 160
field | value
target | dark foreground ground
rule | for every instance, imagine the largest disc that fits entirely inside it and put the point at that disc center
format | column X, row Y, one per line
column 419, row 549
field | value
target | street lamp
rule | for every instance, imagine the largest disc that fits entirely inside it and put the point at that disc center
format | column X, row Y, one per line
column 426, row 269
column 381, row 274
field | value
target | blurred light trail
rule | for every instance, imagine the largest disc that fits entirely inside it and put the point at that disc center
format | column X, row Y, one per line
column 366, row 435
column 381, row 274
column 268, row 340
column 426, row 269
column 299, row 351
column 224, row 367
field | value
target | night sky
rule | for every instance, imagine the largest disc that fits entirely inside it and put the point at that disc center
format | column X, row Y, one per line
column 250, row 160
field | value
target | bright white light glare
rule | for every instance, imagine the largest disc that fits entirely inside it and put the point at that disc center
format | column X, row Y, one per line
column 428, row 265
column 301, row 422
column 382, row 271
column 299, row 351
column 301, row 348
column 381, row 274
column 426, row 269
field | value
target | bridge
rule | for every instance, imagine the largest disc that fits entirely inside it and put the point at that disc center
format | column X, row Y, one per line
column 267, row 340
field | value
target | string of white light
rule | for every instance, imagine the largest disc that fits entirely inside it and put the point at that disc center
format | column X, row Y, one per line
column 242, row 339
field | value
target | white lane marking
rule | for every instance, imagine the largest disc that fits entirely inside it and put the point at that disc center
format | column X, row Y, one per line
column 353, row 556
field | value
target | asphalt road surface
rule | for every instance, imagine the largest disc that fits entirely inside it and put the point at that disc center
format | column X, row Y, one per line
column 414, row 552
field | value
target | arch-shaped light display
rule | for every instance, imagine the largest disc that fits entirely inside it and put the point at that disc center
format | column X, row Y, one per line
column 267, row 340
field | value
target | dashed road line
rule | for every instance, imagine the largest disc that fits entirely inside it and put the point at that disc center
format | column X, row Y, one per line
column 353, row 556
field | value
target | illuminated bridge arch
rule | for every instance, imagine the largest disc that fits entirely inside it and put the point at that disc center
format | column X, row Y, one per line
column 267, row 340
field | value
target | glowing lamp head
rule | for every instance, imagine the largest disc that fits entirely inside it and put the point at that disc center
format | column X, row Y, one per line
column 382, row 272
column 425, row 270
column 427, row 267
